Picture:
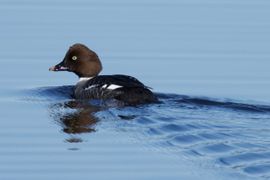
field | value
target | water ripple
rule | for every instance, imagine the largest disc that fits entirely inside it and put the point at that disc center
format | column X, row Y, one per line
column 225, row 133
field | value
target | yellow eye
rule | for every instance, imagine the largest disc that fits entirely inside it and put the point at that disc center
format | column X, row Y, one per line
column 74, row 58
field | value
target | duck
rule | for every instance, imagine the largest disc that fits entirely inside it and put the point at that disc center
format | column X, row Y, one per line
column 86, row 64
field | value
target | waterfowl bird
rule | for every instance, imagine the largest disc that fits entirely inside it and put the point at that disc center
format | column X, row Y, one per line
column 86, row 64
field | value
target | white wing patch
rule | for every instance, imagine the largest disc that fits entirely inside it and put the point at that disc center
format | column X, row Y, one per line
column 90, row 87
column 105, row 86
column 111, row 86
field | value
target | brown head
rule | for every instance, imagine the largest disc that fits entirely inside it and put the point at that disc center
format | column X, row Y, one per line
column 80, row 60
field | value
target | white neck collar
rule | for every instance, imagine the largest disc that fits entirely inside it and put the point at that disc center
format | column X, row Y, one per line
column 85, row 79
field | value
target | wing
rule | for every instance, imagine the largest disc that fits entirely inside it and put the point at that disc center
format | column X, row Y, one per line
column 121, row 87
column 113, row 82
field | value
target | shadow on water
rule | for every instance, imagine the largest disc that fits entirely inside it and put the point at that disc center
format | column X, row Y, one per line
column 234, row 135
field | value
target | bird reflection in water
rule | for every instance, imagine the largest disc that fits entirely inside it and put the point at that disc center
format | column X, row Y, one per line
column 75, row 117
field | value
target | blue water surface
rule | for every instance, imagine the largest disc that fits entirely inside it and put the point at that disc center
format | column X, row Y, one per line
column 207, row 61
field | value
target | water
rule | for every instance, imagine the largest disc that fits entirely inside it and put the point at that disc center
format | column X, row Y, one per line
column 207, row 61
